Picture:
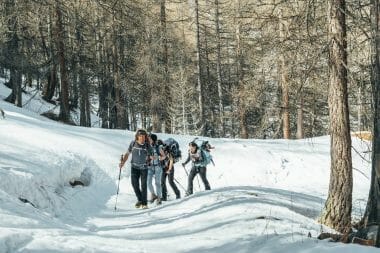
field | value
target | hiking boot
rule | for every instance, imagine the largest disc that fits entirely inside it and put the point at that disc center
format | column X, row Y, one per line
column 159, row 201
column 144, row 206
column 178, row 196
column 164, row 199
column 138, row 204
column 154, row 197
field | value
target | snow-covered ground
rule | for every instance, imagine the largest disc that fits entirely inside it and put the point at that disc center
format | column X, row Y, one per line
column 266, row 194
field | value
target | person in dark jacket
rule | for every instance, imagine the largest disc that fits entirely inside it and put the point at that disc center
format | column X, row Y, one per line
column 196, row 158
column 168, row 171
column 141, row 153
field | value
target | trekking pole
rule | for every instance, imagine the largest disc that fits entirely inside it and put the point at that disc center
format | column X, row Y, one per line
column 118, row 184
column 187, row 173
column 199, row 185
column 179, row 184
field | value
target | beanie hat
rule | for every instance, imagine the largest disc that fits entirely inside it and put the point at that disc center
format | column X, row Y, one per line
column 153, row 137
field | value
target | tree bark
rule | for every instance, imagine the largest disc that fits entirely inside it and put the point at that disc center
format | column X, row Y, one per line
column 371, row 217
column 13, row 55
column 15, row 81
column 243, row 123
column 284, row 83
column 64, row 114
column 165, row 117
column 300, row 132
column 199, row 74
column 337, row 212
column 103, row 89
column 218, row 69
column 52, row 79
column 120, row 89
column 85, row 110
column 240, row 84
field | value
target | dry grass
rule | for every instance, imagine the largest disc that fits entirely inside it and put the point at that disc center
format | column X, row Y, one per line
column 363, row 135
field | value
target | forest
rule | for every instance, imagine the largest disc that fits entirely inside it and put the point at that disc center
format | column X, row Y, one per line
column 241, row 68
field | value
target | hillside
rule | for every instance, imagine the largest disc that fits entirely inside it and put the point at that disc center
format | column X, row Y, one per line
column 266, row 194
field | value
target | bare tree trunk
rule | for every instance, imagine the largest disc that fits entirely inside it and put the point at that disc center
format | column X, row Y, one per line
column 337, row 212
column 218, row 69
column 199, row 74
column 52, row 79
column 243, row 123
column 165, row 114
column 82, row 99
column 209, row 119
column 284, row 83
column 74, row 96
column 360, row 107
column 103, row 89
column 371, row 217
column 85, row 110
column 155, row 118
column 13, row 55
column 64, row 96
column 184, row 120
column 117, row 85
column 313, row 114
column 15, row 81
column 120, row 97
column 112, row 106
column 88, row 105
column 300, row 132
column 240, row 75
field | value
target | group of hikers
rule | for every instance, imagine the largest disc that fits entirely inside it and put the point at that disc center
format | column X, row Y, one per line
column 154, row 159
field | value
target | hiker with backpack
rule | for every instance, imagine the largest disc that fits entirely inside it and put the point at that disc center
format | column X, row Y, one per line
column 199, row 163
column 172, row 154
column 141, row 153
column 155, row 170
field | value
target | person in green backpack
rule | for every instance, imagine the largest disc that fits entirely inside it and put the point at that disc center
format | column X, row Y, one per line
column 198, row 166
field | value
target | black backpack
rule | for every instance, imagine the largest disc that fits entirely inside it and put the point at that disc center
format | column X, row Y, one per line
column 172, row 147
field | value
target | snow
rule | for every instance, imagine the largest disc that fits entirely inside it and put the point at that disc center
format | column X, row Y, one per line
column 266, row 194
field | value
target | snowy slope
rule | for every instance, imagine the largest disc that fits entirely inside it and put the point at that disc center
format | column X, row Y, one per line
column 266, row 197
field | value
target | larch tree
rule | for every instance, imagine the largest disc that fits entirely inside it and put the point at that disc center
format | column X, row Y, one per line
column 200, row 84
column 371, row 219
column 338, row 206
column 12, row 53
column 64, row 113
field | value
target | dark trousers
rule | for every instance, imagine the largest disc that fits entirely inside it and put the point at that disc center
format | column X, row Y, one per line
column 171, row 182
column 136, row 175
column 192, row 174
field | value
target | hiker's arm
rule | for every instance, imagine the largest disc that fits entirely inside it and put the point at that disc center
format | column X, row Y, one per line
column 170, row 167
column 187, row 160
column 125, row 158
